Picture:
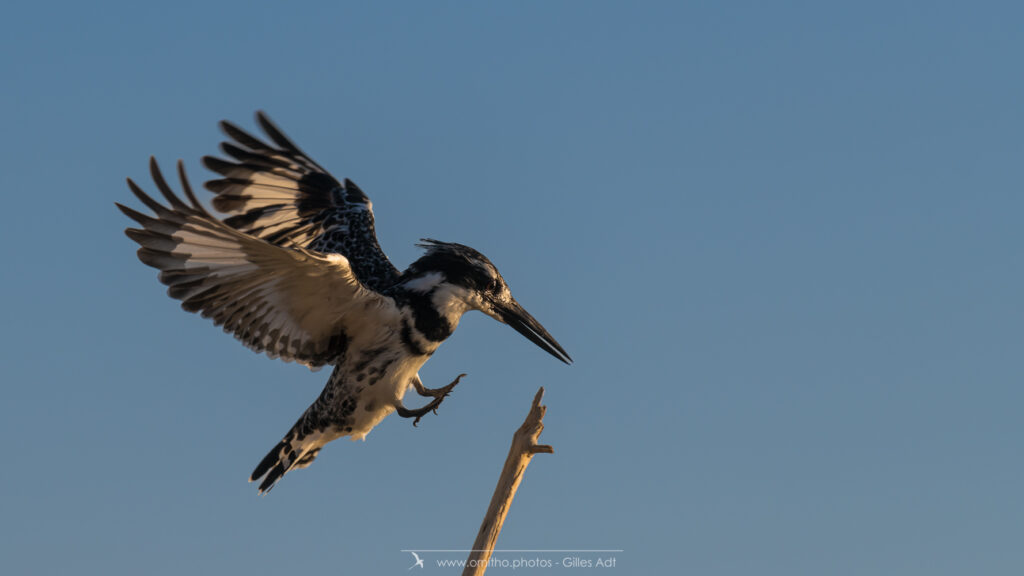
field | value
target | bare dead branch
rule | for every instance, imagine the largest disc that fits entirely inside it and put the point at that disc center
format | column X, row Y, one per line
column 524, row 446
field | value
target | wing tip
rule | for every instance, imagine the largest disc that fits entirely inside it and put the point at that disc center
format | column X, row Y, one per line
column 217, row 165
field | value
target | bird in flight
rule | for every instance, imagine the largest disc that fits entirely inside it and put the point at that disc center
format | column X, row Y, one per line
column 294, row 270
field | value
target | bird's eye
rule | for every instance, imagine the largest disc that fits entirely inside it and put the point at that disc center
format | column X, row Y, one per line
column 492, row 286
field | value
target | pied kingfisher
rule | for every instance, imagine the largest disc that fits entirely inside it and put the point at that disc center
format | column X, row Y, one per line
column 295, row 271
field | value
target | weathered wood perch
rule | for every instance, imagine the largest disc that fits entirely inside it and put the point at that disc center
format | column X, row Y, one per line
column 524, row 446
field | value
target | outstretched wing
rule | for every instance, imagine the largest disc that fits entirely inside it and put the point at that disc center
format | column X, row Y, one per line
column 279, row 194
column 288, row 302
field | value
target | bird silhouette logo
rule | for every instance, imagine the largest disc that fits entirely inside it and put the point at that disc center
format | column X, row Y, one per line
column 419, row 561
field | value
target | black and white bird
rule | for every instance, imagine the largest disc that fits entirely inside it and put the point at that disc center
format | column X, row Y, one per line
column 295, row 271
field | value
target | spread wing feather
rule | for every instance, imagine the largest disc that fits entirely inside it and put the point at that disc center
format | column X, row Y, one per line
column 278, row 193
column 289, row 302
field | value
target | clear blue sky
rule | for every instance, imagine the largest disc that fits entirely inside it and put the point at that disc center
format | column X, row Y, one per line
column 781, row 240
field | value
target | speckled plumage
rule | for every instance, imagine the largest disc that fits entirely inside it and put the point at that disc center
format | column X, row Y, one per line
column 284, row 197
column 295, row 271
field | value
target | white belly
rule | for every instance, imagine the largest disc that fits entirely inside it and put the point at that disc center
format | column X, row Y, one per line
column 383, row 396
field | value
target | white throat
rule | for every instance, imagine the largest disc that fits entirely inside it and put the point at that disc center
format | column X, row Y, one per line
column 452, row 301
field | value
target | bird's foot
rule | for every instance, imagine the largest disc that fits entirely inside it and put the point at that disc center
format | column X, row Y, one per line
column 435, row 392
column 438, row 394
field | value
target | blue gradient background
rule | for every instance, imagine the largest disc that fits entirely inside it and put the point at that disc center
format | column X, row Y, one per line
column 781, row 240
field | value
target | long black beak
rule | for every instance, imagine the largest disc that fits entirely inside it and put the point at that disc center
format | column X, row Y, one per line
column 515, row 316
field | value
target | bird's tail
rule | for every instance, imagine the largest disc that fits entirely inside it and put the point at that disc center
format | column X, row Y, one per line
column 297, row 450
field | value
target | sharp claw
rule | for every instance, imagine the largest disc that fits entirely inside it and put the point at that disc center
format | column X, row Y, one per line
column 439, row 394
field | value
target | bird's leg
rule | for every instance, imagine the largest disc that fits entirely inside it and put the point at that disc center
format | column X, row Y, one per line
column 439, row 394
column 434, row 392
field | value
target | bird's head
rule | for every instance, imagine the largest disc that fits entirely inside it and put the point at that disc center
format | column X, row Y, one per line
column 457, row 279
